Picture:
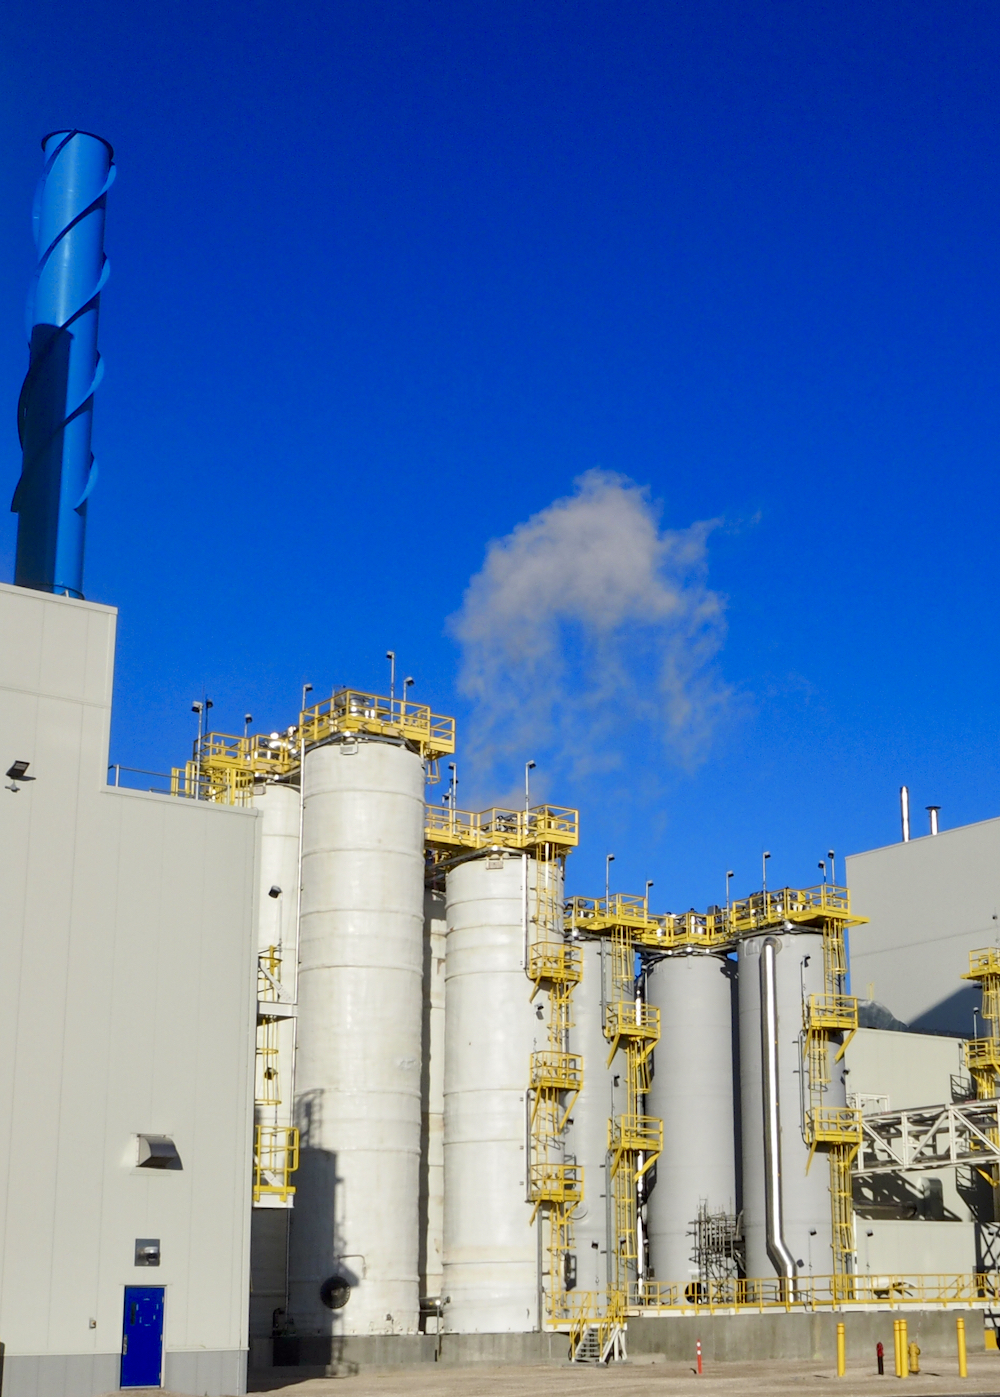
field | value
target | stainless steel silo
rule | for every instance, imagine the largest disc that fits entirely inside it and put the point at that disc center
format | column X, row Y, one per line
column 277, row 949
column 492, row 1278
column 354, row 1247
column 587, row 1131
column 692, row 1093
column 432, row 1108
column 786, row 1212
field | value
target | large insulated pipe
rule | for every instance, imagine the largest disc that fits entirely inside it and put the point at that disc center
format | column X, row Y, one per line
column 55, row 411
column 780, row 1257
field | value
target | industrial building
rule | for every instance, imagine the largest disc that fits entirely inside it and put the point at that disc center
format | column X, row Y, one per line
column 307, row 1066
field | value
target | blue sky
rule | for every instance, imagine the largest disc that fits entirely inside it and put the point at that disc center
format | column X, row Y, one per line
column 387, row 279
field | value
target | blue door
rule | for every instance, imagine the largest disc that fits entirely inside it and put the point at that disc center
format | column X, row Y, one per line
column 142, row 1336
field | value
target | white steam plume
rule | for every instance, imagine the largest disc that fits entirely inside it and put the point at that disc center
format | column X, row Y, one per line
column 587, row 624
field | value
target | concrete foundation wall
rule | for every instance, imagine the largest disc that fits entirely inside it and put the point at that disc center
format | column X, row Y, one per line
column 724, row 1339
column 746, row 1338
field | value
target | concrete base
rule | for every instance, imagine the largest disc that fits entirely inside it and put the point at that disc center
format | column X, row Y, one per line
column 346, row 1354
column 724, row 1339
column 748, row 1337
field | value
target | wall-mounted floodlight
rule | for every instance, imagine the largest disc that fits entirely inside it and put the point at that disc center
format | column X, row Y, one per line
column 274, row 891
column 17, row 772
column 147, row 1251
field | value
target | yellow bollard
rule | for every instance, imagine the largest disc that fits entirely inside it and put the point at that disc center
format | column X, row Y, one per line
column 841, row 1350
column 903, row 1345
column 895, row 1345
column 963, row 1369
column 913, row 1354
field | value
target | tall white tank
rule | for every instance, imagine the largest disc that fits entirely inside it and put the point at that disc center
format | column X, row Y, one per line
column 277, row 926
column 432, row 1105
column 277, row 914
column 692, row 1093
column 355, row 1227
column 587, row 1133
column 491, row 1278
column 800, row 1202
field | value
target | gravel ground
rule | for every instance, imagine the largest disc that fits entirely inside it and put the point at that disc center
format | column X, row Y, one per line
column 645, row 1376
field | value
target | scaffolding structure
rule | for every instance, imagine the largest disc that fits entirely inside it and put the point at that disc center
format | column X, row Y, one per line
column 225, row 768
column 982, row 1055
column 718, row 1245
column 276, row 1146
column 829, row 1021
column 635, row 1139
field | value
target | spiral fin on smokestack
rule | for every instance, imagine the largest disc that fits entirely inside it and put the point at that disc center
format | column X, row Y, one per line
column 55, row 410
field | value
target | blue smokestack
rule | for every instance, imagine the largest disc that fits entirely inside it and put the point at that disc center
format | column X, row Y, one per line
column 56, row 408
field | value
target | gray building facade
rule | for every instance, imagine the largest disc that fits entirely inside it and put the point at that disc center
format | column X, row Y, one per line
column 127, row 1021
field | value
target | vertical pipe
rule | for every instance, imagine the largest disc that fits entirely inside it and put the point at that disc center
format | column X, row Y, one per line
column 55, row 409
column 904, row 812
column 932, row 811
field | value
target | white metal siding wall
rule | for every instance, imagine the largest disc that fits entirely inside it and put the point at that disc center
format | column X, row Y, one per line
column 126, row 1006
column 930, row 902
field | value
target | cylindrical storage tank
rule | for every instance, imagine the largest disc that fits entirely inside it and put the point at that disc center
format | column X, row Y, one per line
column 587, row 1131
column 491, row 1277
column 692, row 1093
column 355, row 1228
column 277, row 924
column 432, row 1106
column 796, row 967
column 277, row 909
